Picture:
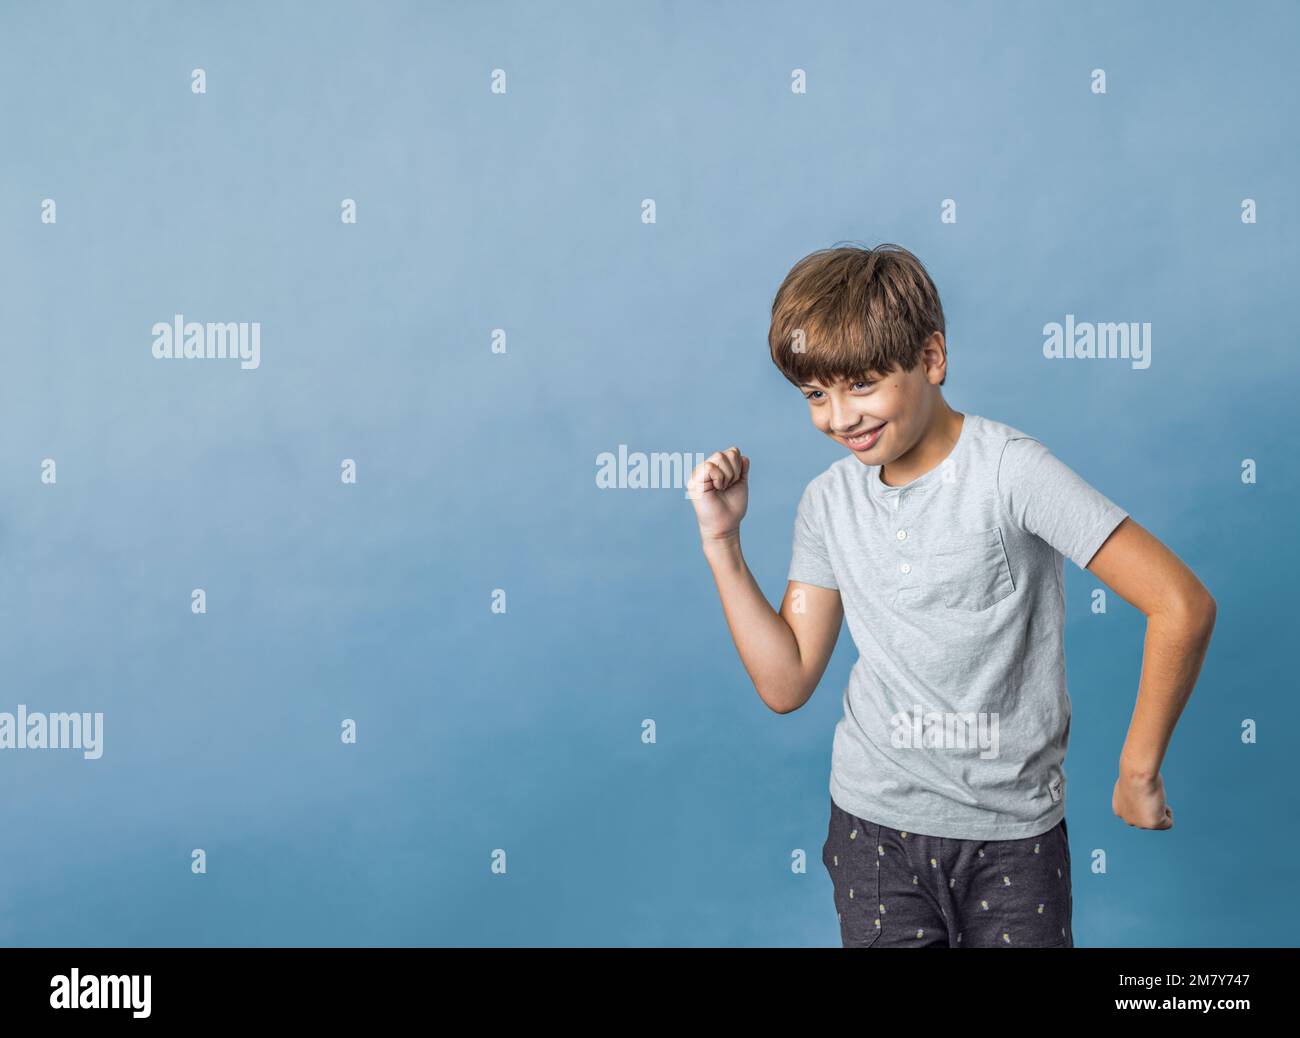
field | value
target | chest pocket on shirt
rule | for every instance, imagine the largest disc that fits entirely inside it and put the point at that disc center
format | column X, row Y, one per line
column 972, row 573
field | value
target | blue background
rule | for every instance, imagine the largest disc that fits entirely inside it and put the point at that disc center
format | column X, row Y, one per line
column 476, row 470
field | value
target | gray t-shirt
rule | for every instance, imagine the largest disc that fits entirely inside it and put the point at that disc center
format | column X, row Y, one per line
column 956, row 715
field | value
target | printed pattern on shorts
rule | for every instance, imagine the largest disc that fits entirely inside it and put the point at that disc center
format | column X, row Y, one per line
column 906, row 890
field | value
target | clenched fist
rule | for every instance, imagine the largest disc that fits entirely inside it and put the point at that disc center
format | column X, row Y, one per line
column 1141, row 803
column 719, row 487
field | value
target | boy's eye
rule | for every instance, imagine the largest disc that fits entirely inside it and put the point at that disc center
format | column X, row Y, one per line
column 864, row 383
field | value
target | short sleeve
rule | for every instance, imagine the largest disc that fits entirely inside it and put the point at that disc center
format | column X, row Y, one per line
column 1048, row 499
column 809, row 561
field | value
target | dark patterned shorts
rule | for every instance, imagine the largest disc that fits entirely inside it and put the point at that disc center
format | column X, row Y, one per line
column 903, row 890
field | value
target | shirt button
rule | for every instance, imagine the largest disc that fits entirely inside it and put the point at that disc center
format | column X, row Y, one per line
column 906, row 567
column 901, row 535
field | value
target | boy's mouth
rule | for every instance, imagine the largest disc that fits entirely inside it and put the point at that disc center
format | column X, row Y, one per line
column 867, row 440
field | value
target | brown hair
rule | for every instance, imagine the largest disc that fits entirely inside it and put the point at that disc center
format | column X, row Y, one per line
column 859, row 309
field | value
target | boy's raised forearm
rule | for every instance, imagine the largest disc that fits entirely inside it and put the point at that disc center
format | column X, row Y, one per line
column 719, row 489
column 767, row 646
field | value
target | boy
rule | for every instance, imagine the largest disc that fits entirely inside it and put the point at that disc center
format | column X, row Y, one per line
column 941, row 537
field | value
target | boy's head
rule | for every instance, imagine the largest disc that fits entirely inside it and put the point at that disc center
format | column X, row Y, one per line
column 860, row 333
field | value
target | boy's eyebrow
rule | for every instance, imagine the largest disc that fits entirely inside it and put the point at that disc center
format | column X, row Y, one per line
column 813, row 385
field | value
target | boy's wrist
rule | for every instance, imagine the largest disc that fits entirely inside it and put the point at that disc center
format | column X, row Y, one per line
column 727, row 544
column 1137, row 771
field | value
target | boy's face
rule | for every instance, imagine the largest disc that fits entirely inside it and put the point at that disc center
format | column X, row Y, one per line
column 883, row 417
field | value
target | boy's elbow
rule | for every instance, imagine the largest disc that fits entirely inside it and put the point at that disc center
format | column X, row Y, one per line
column 784, row 701
column 1200, row 610
column 1211, row 612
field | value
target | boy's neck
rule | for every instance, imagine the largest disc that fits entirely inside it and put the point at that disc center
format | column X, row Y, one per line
column 928, row 453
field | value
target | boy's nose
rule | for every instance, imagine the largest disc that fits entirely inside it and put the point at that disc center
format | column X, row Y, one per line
column 843, row 422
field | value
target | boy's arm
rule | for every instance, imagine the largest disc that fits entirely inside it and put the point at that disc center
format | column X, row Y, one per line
column 1180, row 614
column 785, row 653
column 1048, row 499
